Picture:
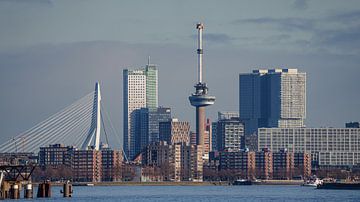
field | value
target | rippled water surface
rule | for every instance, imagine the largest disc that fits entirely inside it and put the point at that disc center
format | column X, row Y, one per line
column 204, row 193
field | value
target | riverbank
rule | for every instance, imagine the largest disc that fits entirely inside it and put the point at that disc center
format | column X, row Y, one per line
column 206, row 183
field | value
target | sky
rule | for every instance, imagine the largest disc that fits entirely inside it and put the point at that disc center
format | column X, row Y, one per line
column 53, row 51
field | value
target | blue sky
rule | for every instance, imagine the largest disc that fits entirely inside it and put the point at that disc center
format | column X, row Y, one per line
column 52, row 52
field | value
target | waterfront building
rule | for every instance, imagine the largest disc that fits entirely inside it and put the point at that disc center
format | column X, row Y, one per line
column 230, row 133
column 287, row 165
column 86, row 165
column 56, row 154
column 283, row 165
column 272, row 98
column 140, row 90
column 328, row 146
column 339, row 158
column 239, row 162
column 264, row 164
column 302, row 164
column 177, row 162
column 174, row 132
column 147, row 125
column 111, row 165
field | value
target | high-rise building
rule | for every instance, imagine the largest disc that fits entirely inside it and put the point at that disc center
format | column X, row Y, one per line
column 174, row 132
column 352, row 125
column 151, row 86
column 140, row 90
column 214, row 136
column 230, row 133
column 272, row 98
column 207, row 138
column 147, row 125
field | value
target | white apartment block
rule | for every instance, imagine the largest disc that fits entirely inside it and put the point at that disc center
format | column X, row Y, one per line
column 328, row 146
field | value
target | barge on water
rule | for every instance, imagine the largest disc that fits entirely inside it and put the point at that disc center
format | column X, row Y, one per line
column 339, row 185
column 242, row 182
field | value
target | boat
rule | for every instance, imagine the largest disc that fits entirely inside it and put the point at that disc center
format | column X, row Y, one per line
column 313, row 183
column 242, row 182
column 339, row 185
column 83, row 184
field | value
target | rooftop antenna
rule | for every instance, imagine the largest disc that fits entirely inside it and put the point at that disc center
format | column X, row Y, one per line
column 149, row 60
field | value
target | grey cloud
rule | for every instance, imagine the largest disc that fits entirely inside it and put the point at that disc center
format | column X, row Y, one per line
column 344, row 40
column 352, row 16
column 44, row 2
column 300, row 4
column 288, row 24
column 337, row 33
column 275, row 39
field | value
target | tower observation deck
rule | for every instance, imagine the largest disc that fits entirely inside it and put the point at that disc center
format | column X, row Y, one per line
column 200, row 99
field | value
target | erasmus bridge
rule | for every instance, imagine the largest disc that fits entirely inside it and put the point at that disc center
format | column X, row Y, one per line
column 80, row 125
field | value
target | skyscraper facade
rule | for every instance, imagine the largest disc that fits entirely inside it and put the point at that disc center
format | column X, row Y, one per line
column 147, row 125
column 175, row 132
column 272, row 98
column 140, row 90
column 151, row 74
column 230, row 133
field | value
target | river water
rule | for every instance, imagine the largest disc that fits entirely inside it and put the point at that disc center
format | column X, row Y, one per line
column 203, row 193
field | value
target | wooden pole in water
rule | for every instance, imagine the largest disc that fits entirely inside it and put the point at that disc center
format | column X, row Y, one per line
column 48, row 189
column 28, row 191
column 67, row 190
column 14, row 191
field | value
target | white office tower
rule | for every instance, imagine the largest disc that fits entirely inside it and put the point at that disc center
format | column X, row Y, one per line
column 140, row 91
column 272, row 98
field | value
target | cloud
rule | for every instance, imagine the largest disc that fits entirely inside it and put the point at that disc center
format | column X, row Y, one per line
column 352, row 16
column 288, row 24
column 215, row 38
column 300, row 4
column 337, row 33
column 346, row 40
column 43, row 2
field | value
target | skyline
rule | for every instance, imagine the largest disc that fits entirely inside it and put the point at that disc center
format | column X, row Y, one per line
column 50, row 61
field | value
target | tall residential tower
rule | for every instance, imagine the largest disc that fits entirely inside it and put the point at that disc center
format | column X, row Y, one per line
column 272, row 98
column 140, row 90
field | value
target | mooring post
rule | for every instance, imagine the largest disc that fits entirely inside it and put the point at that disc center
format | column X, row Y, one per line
column 44, row 190
column 14, row 191
column 28, row 191
column 48, row 189
column 67, row 189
